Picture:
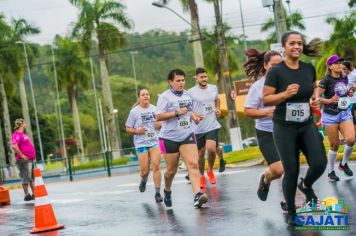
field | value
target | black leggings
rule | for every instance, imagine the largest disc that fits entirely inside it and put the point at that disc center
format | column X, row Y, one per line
column 289, row 139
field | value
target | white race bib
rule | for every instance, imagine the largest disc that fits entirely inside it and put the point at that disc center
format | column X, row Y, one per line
column 183, row 123
column 150, row 135
column 343, row 103
column 297, row 112
column 208, row 108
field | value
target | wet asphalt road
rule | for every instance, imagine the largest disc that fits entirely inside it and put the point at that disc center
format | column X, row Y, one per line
column 114, row 206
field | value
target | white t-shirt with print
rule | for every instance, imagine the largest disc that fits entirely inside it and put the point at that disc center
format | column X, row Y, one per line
column 175, row 129
column 143, row 116
column 204, row 105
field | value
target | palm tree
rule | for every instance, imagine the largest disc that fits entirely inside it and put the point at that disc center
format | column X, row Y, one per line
column 293, row 21
column 73, row 74
column 6, row 57
column 192, row 7
column 21, row 29
column 98, row 17
column 352, row 3
column 342, row 40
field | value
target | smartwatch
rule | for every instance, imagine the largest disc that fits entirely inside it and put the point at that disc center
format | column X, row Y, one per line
column 176, row 113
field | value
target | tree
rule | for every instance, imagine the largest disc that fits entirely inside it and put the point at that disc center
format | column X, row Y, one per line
column 99, row 17
column 20, row 29
column 293, row 21
column 342, row 40
column 73, row 75
column 352, row 3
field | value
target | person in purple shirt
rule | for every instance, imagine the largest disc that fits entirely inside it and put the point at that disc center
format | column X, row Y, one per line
column 25, row 157
column 336, row 116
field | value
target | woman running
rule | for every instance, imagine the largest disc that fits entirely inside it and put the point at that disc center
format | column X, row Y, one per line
column 256, row 68
column 350, row 72
column 142, row 124
column 289, row 86
column 336, row 116
column 176, row 138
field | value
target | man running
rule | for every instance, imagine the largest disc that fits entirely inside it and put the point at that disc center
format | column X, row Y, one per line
column 206, row 105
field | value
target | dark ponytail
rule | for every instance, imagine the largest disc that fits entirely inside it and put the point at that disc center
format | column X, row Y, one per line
column 254, row 67
column 312, row 49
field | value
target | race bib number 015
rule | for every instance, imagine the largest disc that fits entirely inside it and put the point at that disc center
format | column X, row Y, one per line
column 183, row 123
column 297, row 112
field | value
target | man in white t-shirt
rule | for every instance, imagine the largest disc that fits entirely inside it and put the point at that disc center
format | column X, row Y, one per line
column 206, row 105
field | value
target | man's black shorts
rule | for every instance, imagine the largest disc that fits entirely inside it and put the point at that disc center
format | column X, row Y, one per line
column 211, row 135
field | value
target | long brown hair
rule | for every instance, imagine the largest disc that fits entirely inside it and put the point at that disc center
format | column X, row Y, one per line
column 254, row 67
column 312, row 49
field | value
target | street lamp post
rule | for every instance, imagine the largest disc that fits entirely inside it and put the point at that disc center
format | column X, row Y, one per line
column 65, row 156
column 233, row 123
column 34, row 103
column 133, row 53
column 243, row 26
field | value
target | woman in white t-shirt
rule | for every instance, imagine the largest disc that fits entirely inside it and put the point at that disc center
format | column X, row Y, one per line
column 142, row 123
column 256, row 68
column 176, row 137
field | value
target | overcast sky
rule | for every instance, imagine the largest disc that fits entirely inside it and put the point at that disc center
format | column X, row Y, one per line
column 57, row 16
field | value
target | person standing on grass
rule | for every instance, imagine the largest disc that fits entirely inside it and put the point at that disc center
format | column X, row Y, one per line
column 141, row 122
column 25, row 157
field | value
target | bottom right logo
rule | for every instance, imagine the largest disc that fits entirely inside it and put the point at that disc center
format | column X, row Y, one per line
column 328, row 214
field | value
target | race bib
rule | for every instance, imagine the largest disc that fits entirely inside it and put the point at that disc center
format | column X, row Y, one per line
column 150, row 135
column 343, row 103
column 208, row 108
column 183, row 123
column 297, row 112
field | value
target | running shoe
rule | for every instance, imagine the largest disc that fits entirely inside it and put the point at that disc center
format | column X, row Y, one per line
column 333, row 177
column 28, row 197
column 158, row 197
column 222, row 165
column 202, row 182
column 308, row 192
column 289, row 218
column 167, row 198
column 211, row 176
column 346, row 169
column 284, row 206
column 200, row 199
column 142, row 186
column 187, row 177
column 263, row 189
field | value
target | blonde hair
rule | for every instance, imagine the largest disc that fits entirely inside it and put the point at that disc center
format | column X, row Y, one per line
column 18, row 123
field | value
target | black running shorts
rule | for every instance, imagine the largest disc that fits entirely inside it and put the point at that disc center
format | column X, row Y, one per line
column 170, row 146
column 211, row 135
column 267, row 147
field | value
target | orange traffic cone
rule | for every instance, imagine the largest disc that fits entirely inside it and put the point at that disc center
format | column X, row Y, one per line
column 45, row 220
column 4, row 196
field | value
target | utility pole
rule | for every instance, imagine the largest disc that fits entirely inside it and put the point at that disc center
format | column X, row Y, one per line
column 279, row 19
column 196, row 36
column 243, row 26
column 133, row 53
column 234, row 134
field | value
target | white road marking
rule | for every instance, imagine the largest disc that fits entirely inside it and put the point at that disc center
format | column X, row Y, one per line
column 9, row 210
column 65, row 201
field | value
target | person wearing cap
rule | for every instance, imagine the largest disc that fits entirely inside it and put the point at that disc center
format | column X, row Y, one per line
column 336, row 117
column 350, row 72
column 25, row 157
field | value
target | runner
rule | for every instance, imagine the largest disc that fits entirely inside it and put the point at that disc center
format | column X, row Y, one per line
column 289, row 86
column 176, row 138
column 256, row 68
column 350, row 72
column 142, row 124
column 206, row 105
column 220, row 154
column 336, row 115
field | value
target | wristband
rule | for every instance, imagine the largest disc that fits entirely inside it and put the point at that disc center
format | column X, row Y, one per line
column 176, row 113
